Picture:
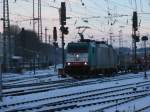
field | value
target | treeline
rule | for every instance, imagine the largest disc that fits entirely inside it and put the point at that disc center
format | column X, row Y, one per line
column 30, row 48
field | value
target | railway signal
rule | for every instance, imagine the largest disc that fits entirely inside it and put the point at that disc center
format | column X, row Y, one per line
column 135, row 21
column 135, row 37
column 63, row 29
column 63, row 13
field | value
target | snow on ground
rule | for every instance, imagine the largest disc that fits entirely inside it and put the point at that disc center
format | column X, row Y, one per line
column 136, row 104
column 53, row 93
column 131, row 106
column 29, row 75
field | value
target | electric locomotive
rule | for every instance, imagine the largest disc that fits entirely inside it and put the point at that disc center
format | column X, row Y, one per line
column 88, row 57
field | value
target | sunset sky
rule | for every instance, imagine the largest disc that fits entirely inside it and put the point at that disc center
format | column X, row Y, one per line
column 91, row 13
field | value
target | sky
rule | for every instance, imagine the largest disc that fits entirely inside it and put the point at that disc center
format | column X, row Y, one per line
column 91, row 13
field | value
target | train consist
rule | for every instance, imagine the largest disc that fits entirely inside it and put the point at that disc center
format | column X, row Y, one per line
column 97, row 57
column 91, row 57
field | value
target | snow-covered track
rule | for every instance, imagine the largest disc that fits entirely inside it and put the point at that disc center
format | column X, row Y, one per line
column 121, row 92
column 22, row 89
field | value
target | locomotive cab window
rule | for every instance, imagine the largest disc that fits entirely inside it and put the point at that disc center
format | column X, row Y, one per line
column 77, row 48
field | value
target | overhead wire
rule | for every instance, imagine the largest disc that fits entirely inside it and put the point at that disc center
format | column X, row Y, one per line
column 89, row 8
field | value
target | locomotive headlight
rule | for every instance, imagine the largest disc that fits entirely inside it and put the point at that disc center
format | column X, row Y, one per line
column 68, row 64
column 85, row 63
column 77, row 56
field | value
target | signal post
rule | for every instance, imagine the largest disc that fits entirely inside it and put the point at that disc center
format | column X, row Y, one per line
column 135, row 38
column 64, row 31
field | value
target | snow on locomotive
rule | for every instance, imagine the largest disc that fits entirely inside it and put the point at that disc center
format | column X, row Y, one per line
column 90, row 57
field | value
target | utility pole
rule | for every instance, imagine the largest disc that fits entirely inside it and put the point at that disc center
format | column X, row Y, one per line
column 144, row 39
column 120, row 36
column 120, row 40
column 34, row 64
column 55, row 44
column 46, row 35
column 6, row 36
column 0, row 83
column 39, row 21
column 34, row 19
column 39, row 28
column 110, row 34
column 49, row 39
column 33, row 16
column 63, row 54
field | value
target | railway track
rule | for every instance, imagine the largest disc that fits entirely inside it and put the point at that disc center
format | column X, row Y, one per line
column 82, row 99
column 36, row 87
column 138, row 105
column 143, row 109
column 37, row 83
column 119, row 102
column 15, row 79
column 19, row 78
column 15, row 90
column 20, row 83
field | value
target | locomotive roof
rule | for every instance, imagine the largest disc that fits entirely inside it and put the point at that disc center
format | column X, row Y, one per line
column 86, row 43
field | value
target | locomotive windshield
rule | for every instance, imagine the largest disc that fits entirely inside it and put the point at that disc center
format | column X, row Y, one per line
column 77, row 48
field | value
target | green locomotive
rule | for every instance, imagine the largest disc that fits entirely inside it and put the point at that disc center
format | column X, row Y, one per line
column 90, row 57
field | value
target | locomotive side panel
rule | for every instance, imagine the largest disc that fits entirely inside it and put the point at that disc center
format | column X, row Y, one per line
column 92, row 56
column 114, row 58
column 102, row 56
column 107, row 59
